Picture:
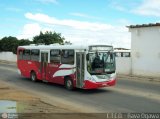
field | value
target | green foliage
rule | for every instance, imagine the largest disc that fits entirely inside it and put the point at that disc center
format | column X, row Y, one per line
column 48, row 38
column 23, row 42
column 11, row 43
column 68, row 43
column 0, row 46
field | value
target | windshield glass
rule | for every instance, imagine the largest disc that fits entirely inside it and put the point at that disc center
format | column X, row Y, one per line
column 101, row 62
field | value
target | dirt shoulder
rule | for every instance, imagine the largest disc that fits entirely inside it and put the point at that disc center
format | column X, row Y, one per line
column 27, row 102
column 31, row 106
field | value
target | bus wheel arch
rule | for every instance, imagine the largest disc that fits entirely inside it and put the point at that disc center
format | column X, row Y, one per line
column 68, row 82
column 33, row 76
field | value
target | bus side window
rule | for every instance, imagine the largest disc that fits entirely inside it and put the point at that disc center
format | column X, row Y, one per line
column 20, row 54
column 55, row 56
column 35, row 55
column 26, row 55
column 67, row 57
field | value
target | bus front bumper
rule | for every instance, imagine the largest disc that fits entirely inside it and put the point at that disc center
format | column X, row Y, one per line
column 93, row 85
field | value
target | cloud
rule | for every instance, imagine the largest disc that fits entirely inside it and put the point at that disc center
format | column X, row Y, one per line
column 117, row 6
column 78, row 32
column 148, row 8
column 118, row 37
column 143, row 7
column 48, row 1
column 83, row 15
column 68, row 22
column 31, row 30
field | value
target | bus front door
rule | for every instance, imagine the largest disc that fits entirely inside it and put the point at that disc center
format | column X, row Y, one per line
column 79, row 69
column 44, row 64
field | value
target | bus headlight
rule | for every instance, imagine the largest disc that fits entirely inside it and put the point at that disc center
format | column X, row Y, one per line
column 91, row 79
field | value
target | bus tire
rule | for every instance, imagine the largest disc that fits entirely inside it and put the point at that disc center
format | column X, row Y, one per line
column 33, row 76
column 69, row 83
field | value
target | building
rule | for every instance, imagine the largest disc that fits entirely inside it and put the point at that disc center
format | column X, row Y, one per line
column 145, row 49
column 123, row 61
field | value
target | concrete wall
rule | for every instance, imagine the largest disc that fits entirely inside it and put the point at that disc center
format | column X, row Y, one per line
column 8, row 56
column 145, row 51
column 123, row 65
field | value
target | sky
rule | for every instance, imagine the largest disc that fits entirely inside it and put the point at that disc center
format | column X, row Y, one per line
column 79, row 21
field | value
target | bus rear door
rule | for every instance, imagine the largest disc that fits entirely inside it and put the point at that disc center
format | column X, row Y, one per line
column 79, row 69
column 44, row 65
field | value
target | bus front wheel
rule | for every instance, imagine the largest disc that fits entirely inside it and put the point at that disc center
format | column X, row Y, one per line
column 33, row 76
column 69, row 83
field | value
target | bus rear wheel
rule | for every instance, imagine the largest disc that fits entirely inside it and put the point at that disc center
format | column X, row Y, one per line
column 69, row 83
column 33, row 76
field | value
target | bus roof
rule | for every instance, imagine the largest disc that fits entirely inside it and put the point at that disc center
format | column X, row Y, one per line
column 122, row 50
column 52, row 46
column 47, row 47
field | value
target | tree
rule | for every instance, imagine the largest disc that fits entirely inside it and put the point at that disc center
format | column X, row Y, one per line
column 48, row 38
column 9, row 44
column 23, row 42
column 0, row 45
column 68, row 43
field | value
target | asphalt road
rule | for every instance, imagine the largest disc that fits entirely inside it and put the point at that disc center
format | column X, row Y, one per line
column 126, row 96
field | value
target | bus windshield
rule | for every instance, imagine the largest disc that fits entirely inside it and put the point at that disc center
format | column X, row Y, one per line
column 101, row 62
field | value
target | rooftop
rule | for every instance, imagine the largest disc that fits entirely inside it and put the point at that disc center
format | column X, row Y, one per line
column 144, row 25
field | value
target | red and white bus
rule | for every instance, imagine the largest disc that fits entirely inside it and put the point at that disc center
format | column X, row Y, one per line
column 86, row 67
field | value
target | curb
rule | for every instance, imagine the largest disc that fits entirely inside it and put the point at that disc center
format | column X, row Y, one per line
column 7, row 62
column 142, row 78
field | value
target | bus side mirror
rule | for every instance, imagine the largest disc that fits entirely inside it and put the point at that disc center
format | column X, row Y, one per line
column 87, row 57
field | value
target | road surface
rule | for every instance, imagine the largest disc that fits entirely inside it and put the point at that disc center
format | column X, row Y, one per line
column 126, row 96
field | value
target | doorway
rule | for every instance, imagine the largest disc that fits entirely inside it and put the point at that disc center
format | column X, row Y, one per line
column 80, row 69
column 44, row 64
